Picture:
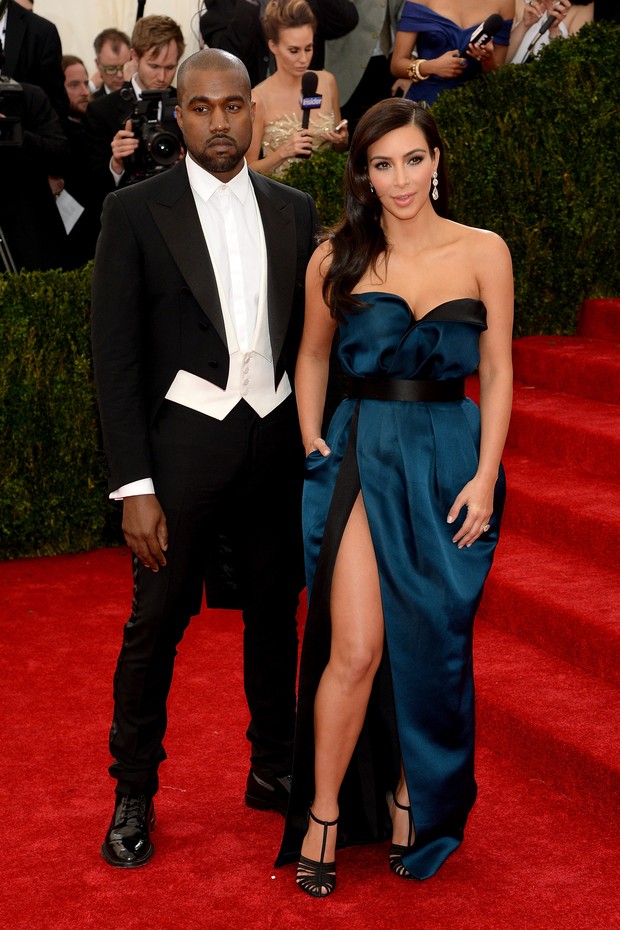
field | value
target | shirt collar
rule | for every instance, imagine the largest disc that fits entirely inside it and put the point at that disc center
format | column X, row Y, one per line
column 205, row 184
column 136, row 87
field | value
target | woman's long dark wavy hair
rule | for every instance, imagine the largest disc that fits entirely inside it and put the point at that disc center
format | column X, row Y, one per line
column 357, row 242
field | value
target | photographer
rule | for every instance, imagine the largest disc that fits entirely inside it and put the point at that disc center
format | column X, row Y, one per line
column 156, row 47
column 32, row 146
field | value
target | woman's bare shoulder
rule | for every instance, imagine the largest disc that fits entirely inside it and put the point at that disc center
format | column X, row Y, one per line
column 326, row 79
column 506, row 8
column 478, row 240
column 321, row 259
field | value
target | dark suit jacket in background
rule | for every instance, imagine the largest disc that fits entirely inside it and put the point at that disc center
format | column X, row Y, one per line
column 607, row 9
column 81, row 241
column 28, row 214
column 33, row 52
column 156, row 307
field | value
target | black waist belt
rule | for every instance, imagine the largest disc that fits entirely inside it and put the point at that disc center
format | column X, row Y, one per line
column 418, row 389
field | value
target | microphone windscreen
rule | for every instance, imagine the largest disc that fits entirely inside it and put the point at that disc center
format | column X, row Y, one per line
column 492, row 24
column 309, row 83
column 484, row 31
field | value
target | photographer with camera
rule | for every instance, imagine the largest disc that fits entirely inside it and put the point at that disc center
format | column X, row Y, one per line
column 120, row 126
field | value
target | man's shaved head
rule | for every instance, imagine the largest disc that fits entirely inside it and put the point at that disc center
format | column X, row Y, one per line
column 212, row 59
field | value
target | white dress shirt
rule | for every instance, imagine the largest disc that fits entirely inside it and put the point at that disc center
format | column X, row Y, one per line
column 232, row 227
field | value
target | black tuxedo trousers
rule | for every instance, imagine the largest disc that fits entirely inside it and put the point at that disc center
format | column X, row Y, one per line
column 243, row 472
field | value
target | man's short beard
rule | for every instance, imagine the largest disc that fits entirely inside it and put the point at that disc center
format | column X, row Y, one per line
column 221, row 164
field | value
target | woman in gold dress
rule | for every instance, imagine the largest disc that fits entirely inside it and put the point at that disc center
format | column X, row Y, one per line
column 289, row 27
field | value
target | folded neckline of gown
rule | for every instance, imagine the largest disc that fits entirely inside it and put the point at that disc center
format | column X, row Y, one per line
column 444, row 303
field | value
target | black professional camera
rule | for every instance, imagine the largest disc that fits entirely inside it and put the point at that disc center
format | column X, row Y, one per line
column 10, row 112
column 153, row 123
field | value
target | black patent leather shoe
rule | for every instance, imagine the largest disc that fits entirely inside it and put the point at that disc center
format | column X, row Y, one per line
column 267, row 793
column 127, row 844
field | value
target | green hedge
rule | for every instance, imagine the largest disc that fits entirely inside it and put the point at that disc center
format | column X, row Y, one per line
column 52, row 478
column 533, row 152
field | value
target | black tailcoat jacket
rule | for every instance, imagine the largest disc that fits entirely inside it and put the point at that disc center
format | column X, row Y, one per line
column 156, row 307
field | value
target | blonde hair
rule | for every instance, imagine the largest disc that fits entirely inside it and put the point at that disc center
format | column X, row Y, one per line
column 286, row 14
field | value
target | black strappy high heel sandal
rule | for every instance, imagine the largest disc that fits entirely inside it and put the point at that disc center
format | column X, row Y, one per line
column 317, row 878
column 397, row 852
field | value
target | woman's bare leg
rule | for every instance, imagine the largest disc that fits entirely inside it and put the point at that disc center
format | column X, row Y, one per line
column 344, row 689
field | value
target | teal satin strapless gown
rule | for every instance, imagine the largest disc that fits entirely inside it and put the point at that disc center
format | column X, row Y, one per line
column 410, row 460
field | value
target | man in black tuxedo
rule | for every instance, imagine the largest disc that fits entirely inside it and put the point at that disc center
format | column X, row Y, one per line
column 32, row 51
column 156, row 47
column 198, row 294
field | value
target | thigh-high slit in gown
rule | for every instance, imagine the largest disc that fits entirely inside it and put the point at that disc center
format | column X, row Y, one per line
column 409, row 460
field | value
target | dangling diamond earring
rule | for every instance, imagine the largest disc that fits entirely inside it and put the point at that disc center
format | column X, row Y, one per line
column 435, row 193
column 372, row 190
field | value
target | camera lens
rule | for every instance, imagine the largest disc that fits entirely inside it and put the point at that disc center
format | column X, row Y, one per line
column 164, row 148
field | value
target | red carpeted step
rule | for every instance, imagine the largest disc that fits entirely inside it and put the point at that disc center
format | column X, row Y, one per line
column 561, row 428
column 542, row 712
column 566, row 605
column 533, row 857
column 600, row 319
column 562, row 506
column 586, row 367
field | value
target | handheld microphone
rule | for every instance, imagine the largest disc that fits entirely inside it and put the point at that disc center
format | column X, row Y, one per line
column 310, row 100
column 548, row 23
column 484, row 32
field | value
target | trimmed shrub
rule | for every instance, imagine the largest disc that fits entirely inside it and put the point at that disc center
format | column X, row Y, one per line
column 52, row 487
column 533, row 153
column 321, row 177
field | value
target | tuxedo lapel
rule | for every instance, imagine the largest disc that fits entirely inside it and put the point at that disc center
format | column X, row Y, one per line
column 175, row 214
column 281, row 243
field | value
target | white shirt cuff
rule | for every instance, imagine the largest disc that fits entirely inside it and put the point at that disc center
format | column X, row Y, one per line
column 142, row 486
column 117, row 177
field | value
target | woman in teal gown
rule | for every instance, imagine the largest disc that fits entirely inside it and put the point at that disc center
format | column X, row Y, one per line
column 402, row 506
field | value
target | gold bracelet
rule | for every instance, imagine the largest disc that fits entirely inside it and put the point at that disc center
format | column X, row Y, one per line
column 411, row 71
column 416, row 67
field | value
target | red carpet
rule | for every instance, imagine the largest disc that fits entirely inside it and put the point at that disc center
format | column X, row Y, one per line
column 541, row 849
column 548, row 633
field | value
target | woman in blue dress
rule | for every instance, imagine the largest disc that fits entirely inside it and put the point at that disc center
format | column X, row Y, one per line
column 402, row 505
column 439, row 30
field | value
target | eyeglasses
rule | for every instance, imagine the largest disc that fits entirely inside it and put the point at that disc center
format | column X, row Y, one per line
column 112, row 69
